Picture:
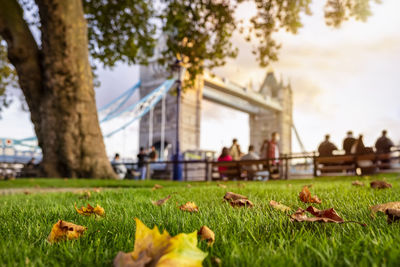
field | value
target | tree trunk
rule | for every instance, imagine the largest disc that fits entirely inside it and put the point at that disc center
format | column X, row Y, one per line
column 67, row 124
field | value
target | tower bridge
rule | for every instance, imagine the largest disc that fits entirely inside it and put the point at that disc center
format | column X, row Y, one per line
column 270, row 109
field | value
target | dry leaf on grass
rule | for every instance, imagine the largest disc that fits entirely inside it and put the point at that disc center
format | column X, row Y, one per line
column 89, row 210
column 153, row 248
column 279, row 206
column 237, row 200
column 241, row 185
column 65, row 230
column 241, row 203
column 206, row 234
column 325, row 216
column 85, row 195
column 190, row 207
column 222, row 185
column 157, row 186
column 357, row 183
column 217, row 261
column 393, row 215
column 233, row 196
column 305, row 196
column 383, row 207
column 161, row 201
column 189, row 186
column 380, row 185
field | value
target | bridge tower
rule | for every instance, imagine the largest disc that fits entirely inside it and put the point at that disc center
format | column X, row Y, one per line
column 151, row 77
column 264, row 123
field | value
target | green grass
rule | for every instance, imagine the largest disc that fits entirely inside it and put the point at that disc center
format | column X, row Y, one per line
column 258, row 236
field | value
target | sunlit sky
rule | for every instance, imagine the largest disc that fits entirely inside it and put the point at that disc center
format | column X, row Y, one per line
column 342, row 79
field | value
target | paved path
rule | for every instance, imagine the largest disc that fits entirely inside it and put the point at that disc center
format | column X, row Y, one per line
column 34, row 190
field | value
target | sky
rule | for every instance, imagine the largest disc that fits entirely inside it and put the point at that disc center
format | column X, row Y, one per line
column 342, row 79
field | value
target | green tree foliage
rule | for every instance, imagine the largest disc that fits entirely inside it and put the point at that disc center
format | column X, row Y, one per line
column 8, row 77
column 199, row 31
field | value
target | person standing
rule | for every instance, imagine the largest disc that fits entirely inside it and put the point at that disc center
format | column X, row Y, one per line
column 348, row 142
column 264, row 149
column 326, row 148
column 234, row 151
column 142, row 157
column 273, row 149
column 153, row 155
column 383, row 144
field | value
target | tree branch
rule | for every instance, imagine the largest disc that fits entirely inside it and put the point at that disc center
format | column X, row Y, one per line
column 23, row 52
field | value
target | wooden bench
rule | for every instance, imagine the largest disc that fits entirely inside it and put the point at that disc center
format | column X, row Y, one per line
column 238, row 169
column 365, row 163
column 335, row 164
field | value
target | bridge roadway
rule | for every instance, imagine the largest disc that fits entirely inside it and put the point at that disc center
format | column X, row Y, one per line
column 227, row 93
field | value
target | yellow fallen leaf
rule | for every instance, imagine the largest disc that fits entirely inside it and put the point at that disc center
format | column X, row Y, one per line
column 85, row 195
column 279, row 206
column 222, row 185
column 65, row 230
column 89, row 210
column 153, row 248
column 157, row 186
column 206, row 234
column 189, row 206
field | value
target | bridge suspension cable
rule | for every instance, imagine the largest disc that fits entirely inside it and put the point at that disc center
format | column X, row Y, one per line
column 139, row 109
column 111, row 111
column 116, row 104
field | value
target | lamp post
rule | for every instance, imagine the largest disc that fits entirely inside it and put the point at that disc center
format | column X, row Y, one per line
column 178, row 73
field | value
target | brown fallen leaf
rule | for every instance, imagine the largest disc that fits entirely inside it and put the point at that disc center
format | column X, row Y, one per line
column 236, row 200
column 157, row 186
column 63, row 230
column 279, row 206
column 205, row 233
column 325, row 216
column 305, row 196
column 393, row 215
column 222, row 185
column 190, row 207
column 27, row 192
column 189, row 186
column 153, row 248
column 161, row 201
column 383, row 207
column 89, row 210
column 241, row 203
column 233, row 196
column 380, row 185
column 357, row 183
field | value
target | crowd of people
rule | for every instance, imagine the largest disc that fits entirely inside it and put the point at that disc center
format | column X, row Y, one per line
column 355, row 146
column 269, row 150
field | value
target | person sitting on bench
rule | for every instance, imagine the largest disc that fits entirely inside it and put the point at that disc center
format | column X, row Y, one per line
column 326, row 148
column 383, row 144
column 251, row 169
column 224, row 157
column 348, row 142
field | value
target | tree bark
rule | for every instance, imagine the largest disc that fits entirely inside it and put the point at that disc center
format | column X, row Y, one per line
column 60, row 91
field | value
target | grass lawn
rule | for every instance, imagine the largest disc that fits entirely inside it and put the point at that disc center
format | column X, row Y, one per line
column 258, row 236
